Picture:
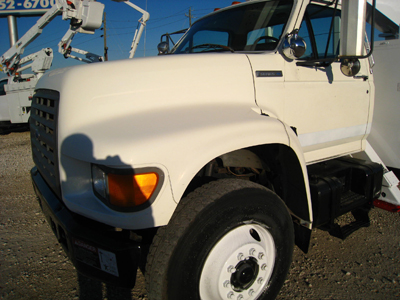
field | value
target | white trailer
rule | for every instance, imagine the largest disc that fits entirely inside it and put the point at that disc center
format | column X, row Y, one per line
column 384, row 137
column 384, row 141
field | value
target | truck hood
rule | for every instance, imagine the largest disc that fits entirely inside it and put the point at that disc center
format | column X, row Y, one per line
column 120, row 90
column 192, row 75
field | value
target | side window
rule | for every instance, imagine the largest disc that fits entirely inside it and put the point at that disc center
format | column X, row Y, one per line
column 315, row 31
column 2, row 84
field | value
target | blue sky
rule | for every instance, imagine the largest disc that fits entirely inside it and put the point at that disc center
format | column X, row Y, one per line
column 122, row 20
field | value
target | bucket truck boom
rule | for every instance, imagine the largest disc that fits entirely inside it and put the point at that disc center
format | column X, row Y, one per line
column 85, row 17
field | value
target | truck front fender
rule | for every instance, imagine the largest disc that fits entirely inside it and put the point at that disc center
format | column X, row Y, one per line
column 181, row 141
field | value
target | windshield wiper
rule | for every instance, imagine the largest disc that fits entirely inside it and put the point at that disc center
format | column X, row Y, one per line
column 213, row 46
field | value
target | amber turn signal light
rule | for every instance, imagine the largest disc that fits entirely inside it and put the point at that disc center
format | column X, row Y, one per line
column 131, row 190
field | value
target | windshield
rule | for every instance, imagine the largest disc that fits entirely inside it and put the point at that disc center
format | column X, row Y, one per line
column 251, row 27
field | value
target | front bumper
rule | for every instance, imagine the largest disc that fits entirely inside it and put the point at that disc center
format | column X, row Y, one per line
column 95, row 249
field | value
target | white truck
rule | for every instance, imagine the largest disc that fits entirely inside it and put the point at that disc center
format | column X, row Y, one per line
column 206, row 165
column 16, row 91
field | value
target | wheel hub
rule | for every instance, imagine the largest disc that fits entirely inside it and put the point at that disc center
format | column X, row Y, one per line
column 245, row 275
column 240, row 264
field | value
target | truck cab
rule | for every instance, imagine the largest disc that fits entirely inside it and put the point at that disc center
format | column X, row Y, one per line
column 207, row 164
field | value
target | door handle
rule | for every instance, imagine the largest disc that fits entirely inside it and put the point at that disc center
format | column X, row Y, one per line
column 363, row 77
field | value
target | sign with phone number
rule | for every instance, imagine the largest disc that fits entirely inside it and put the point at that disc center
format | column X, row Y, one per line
column 25, row 7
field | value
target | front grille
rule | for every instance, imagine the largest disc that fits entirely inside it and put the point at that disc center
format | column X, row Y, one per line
column 43, row 126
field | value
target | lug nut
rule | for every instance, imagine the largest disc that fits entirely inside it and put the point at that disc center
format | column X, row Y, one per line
column 263, row 267
column 226, row 283
column 240, row 256
column 231, row 269
column 230, row 295
column 251, row 292
column 260, row 255
column 252, row 251
column 240, row 297
column 260, row 280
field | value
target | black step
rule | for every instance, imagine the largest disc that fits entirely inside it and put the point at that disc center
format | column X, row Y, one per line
column 361, row 220
column 350, row 200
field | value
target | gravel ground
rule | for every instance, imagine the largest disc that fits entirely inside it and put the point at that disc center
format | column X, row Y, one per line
column 33, row 265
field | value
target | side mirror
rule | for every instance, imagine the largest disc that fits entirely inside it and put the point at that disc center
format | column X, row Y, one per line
column 350, row 67
column 163, row 48
column 294, row 46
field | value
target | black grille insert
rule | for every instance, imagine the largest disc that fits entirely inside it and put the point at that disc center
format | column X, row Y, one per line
column 43, row 126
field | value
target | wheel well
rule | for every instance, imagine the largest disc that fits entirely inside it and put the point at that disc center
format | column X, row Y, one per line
column 274, row 166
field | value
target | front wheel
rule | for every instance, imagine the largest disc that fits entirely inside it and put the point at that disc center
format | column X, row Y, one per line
column 229, row 239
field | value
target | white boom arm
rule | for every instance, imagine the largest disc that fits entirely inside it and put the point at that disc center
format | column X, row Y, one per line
column 11, row 58
column 64, row 47
column 89, row 57
column 138, row 33
column 142, row 23
column 85, row 16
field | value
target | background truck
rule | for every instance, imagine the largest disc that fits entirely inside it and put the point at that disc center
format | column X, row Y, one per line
column 16, row 91
column 18, row 88
column 204, row 166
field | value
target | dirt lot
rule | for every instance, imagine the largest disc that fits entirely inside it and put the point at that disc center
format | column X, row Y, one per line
column 33, row 265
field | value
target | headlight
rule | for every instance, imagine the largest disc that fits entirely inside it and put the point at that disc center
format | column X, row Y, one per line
column 126, row 189
column 99, row 181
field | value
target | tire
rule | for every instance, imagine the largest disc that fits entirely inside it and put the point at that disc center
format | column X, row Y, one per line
column 229, row 239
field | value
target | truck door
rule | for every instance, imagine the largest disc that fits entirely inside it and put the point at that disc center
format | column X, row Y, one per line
column 329, row 110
